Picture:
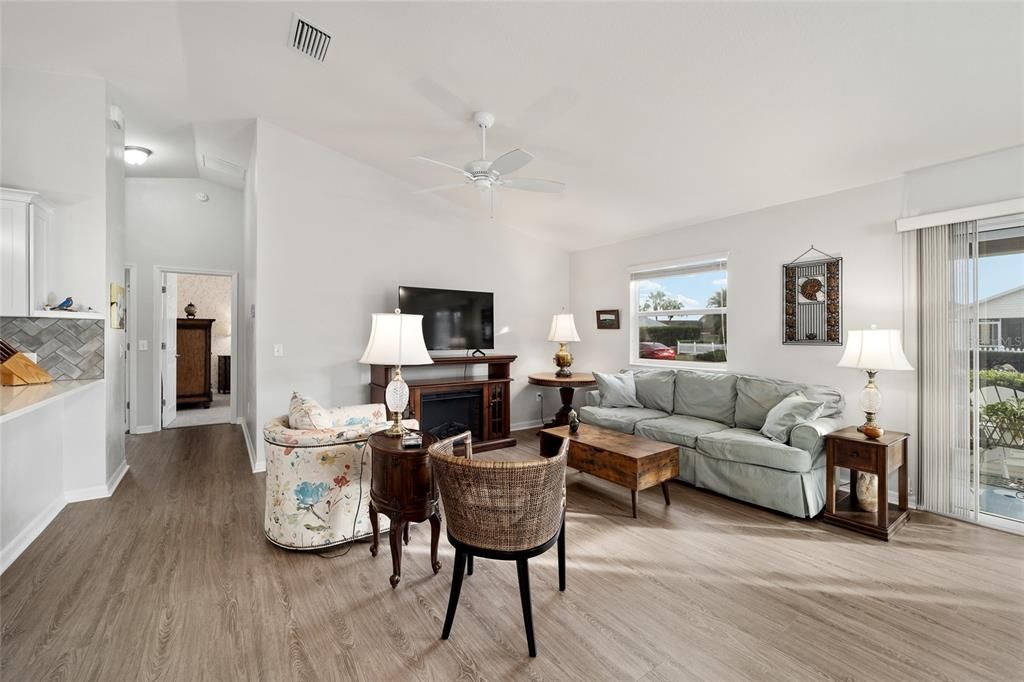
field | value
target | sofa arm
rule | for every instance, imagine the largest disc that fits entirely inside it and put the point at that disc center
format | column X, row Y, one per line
column 592, row 398
column 810, row 436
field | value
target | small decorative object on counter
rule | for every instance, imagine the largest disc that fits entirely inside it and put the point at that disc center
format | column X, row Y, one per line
column 574, row 421
column 65, row 304
column 190, row 310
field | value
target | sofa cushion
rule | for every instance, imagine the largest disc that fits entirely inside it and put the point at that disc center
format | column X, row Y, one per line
column 750, row 447
column 617, row 418
column 655, row 388
column 306, row 413
column 794, row 409
column 755, row 396
column 707, row 395
column 617, row 390
column 677, row 428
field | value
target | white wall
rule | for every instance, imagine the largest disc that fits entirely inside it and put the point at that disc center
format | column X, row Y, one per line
column 337, row 238
column 857, row 224
column 169, row 227
column 114, row 353
column 246, row 319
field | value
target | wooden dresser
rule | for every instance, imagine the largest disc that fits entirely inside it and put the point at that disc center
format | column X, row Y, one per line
column 195, row 379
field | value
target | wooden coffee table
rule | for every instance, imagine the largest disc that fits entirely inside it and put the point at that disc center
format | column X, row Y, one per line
column 630, row 461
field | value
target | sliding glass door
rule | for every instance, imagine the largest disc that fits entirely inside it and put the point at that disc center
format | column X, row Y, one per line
column 998, row 397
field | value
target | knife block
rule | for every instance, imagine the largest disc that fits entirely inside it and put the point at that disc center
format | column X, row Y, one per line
column 18, row 370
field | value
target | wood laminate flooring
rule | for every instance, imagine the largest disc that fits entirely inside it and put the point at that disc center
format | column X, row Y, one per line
column 172, row 579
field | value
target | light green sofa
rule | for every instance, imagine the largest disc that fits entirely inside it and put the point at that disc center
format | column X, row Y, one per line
column 715, row 419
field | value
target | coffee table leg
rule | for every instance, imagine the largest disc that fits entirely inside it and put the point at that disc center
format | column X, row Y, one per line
column 375, row 524
column 397, row 527
column 634, row 494
column 664, row 490
column 435, row 535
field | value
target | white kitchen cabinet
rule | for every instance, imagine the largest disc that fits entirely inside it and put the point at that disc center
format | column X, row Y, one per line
column 15, row 252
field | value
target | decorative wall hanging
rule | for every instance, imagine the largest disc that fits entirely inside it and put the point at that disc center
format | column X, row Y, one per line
column 812, row 300
column 116, row 306
column 607, row 319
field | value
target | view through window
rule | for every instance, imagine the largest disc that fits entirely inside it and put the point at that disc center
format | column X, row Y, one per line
column 679, row 314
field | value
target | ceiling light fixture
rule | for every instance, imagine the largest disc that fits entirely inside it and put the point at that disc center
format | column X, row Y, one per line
column 136, row 156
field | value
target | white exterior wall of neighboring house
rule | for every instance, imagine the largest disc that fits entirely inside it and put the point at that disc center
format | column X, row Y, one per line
column 1008, row 304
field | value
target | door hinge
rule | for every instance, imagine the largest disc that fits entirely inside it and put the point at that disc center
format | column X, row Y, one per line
column 163, row 290
column 163, row 402
column 163, row 345
column 128, row 405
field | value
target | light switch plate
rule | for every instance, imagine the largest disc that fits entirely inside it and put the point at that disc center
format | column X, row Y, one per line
column 143, row 344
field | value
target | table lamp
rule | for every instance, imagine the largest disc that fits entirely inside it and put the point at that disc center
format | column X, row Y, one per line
column 563, row 330
column 872, row 350
column 396, row 340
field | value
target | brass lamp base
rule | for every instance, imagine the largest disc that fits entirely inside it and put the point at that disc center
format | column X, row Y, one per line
column 870, row 427
column 563, row 360
column 397, row 429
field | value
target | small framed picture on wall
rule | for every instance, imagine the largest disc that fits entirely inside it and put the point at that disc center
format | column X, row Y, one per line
column 607, row 319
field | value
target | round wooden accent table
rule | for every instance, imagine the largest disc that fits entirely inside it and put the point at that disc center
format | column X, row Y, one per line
column 566, row 388
column 403, row 489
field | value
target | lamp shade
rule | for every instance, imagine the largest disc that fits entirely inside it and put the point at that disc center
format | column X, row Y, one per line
column 563, row 329
column 396, row 339
column 875, row 349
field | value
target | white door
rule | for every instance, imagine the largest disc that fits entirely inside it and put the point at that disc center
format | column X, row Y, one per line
column 169, row 332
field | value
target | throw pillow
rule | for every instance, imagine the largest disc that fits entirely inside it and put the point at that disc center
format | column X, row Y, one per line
column 617, row 390
column 655, row 389
column 306, row 414
column 792, row 410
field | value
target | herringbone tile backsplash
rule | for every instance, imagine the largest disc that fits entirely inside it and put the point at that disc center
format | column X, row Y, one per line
column 68, row 349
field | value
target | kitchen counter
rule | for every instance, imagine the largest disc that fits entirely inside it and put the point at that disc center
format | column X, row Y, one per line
column 18, row 400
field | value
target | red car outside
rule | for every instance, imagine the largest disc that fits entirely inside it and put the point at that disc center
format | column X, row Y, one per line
column 653, row 350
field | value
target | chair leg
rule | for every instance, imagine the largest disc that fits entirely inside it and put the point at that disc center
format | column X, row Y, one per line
column 524, row 596
column 469, row 564
column 453, row 598
column 561, row 557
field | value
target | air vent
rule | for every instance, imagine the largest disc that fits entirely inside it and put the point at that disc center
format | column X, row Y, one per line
column 308, row 39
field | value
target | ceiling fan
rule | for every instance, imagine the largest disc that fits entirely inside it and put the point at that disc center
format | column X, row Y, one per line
column 490, row 175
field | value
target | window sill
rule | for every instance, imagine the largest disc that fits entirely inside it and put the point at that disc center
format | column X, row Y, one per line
column 679, row 364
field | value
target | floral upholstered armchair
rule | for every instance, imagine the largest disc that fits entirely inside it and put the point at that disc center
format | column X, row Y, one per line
column 318, row 475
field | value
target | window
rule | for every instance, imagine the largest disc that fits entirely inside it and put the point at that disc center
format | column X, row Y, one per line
column 678, row 315
column 990, row 333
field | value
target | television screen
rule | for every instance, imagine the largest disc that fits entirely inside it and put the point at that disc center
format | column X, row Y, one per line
column 452, row 320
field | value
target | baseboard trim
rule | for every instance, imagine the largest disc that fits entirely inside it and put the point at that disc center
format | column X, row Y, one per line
column 531, row 424
column 21, row 542
column 254, row 463
column 82, row 494
column 148, row 428
column 115, row 478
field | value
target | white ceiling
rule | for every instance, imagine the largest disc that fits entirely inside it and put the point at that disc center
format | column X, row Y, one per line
column 655, row 115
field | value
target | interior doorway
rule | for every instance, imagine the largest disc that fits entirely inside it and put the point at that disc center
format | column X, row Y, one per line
column 197, row 347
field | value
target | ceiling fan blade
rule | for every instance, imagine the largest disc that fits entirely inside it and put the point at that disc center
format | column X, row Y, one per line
column 440, row 188
column 533, row 184
column 442, row 164
column 511, row 162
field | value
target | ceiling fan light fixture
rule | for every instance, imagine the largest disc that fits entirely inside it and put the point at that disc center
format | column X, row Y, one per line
column 136, row 156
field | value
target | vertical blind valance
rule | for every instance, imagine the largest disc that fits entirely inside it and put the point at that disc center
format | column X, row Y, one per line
column 676, row 270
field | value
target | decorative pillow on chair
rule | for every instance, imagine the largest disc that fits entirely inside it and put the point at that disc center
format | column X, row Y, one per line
column 794, row 409
column 306, row 414
column 617, row 390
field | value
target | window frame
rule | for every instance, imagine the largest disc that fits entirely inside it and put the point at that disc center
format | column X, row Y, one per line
column 997, row 323
column 677, row 266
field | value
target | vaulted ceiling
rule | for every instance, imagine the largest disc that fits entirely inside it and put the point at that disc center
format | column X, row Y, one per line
column 655, row 115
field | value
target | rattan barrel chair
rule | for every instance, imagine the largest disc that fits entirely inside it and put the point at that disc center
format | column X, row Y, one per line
column 510, row 511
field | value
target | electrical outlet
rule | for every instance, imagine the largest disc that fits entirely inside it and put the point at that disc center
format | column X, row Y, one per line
column 143, row 344
column 278, row 350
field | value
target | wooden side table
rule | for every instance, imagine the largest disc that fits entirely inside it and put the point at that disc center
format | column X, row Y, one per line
column 566, row 388
column 403, row 489
column 850, row 449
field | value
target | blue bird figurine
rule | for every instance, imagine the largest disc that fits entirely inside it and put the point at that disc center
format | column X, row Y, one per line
column 66, row 304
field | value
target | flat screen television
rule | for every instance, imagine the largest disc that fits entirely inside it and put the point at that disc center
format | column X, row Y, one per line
column 452, row 320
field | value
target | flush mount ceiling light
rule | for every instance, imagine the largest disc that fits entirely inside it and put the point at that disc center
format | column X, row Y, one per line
column 136, row 156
